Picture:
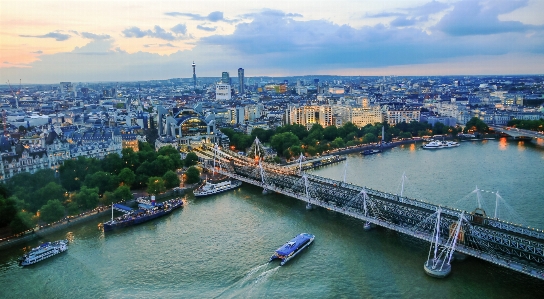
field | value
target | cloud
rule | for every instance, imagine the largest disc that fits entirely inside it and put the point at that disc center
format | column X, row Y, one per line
column 169, row 45
column 322, row 43
column 278, row 43
column 482, row 18
column 37, row 52
column 56, row 35
column 157, row 32
column 205, row 28
column 214, row 16
column 427, row 8
column 271, row 13
column 134, row 32
column 403, row 22
column 385, row 14
column 419, row 11
column 179, row 29
column 94, row 36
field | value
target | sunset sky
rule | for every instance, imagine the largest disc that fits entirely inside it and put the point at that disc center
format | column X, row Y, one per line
column 49, row 41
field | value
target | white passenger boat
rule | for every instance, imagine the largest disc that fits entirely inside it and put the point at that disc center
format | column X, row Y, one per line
column 440, row 144
column 44, row 251
column 433, row 145
column 209, row 188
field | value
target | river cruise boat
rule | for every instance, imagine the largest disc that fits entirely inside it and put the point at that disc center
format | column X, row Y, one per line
column 144, row 213
column 209, row 187
column 440, row 144
column 371, row 152
column 292, row 248
column 42, row 252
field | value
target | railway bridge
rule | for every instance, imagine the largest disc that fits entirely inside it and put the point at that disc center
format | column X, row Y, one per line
column 505, row 244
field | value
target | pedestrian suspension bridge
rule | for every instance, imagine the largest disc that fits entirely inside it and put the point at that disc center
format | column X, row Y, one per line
column 451, row 232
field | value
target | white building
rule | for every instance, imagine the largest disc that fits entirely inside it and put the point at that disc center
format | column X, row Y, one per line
column 362, row 116
column 222, row 91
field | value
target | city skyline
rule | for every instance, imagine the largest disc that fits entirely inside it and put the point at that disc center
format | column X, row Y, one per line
column 53, row 41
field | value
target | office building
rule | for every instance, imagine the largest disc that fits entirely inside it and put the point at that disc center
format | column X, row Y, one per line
column 241, row 81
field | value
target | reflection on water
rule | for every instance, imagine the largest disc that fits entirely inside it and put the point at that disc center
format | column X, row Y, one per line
column 219, row 246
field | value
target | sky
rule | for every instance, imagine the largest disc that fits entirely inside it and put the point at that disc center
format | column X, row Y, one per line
column 49, row 41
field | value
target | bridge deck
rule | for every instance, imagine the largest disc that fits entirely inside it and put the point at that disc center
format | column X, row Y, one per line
column 504, row 244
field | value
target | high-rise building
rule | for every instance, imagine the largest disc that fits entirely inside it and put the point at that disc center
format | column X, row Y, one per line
column 225, row 78
column 241, row 80
column 194, row 75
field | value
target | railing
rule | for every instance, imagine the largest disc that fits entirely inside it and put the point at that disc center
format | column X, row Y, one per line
column 505, row 244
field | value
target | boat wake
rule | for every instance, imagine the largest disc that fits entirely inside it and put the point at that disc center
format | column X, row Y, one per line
column 266, row 274
column 248, row 282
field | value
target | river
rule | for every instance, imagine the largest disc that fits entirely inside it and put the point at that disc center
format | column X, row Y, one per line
column 218, row 247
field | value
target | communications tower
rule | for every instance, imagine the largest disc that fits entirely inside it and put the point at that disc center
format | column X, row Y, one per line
column 194, row 75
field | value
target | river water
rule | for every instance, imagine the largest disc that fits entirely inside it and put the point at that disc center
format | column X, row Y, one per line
column 218, row 247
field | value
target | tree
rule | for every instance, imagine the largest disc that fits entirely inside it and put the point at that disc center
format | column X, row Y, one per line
column 22, row 221
column 155, row 185
column 262, row 134
column 103, row 181
column 130, row 159
column 73, row 172
column 172, row 153
column 108, row 198
column 192, row 175
column 405, row 135
column 338, row 143
column 296, row 150
column 282, row 141
column 127, row 176
column 190, row 160
column 171, row 179
column 369, row 137
column 72, row 208
column 87, row 198
column 52, row 211
column 161, row 165
column 42, row 196
column 123, row 193
column 112, row 163
column 476, row 125
column 330, row 133
column 8, row 210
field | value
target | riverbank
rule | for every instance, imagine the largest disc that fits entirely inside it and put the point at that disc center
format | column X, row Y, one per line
column 43, row 230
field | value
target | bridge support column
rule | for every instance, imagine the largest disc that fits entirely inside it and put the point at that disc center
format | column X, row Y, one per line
column 437, row 268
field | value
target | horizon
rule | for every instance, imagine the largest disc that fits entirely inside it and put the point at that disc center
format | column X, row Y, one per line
column 47, row 42
column 13, row 84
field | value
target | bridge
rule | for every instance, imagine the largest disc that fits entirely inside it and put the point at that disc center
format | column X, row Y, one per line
column 502, row 243
column 516, row 133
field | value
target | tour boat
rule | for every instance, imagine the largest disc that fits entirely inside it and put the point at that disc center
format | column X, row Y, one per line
column 44, row 251
column 440, row 144
column 433, row 145
column 292, row 248
column 209, row 188
column 143, row 214
column 371, row 152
